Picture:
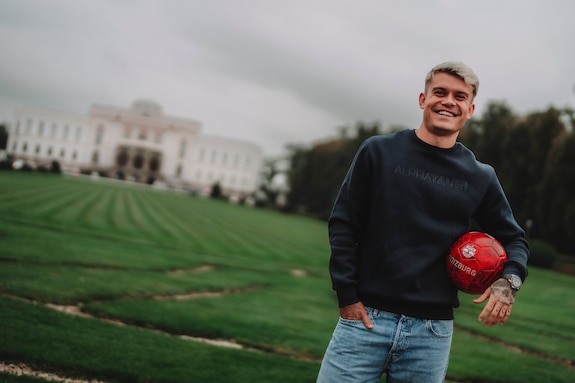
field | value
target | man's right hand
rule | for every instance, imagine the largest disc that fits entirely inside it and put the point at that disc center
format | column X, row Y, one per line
column 356, row 311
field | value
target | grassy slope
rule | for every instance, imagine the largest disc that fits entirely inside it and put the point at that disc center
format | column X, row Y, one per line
column 117, row 250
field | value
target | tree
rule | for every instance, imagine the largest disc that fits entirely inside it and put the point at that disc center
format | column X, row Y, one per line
column 495, row 122
column 216, row 192
column 316, row 173
column 533, row 156
column 55, row 167
column 471, row 134
column 297, row 178
column 515, row 175
column 555, row 219
column 271, row 170
column 3, row 136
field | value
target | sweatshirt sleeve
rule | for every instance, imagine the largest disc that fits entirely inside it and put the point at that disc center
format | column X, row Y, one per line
column 345, row 224
column 496, row 218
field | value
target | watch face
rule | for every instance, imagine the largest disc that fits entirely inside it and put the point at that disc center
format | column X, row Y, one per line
column 515, row 282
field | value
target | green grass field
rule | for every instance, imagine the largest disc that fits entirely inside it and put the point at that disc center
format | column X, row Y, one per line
column 155, row 275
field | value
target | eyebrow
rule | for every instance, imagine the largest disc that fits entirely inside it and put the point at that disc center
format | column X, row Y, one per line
column 445, row 90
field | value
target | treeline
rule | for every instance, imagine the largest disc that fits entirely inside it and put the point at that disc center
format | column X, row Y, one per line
column 315, row 174
column 534, row 156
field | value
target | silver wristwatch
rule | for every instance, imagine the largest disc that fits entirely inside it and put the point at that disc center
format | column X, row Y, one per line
column 514, row 281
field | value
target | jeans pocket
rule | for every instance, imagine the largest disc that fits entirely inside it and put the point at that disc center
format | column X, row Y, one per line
column 351, row 322
column 440, row 328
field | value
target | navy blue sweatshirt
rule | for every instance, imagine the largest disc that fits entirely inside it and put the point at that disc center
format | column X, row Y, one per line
column 401, row 206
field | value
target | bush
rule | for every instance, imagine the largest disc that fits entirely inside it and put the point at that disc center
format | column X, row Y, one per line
column 55, row 167
column 6, row 165
column 27, row 168
column 217, row 192
column 42, row 169
column 542, row 254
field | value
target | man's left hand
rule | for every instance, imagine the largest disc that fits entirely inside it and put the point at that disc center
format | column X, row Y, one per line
column 498, row 308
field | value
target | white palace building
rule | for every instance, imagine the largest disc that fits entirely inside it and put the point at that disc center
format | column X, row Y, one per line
column 139, row 144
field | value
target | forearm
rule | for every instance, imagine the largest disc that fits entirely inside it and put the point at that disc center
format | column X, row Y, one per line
column 343, row 262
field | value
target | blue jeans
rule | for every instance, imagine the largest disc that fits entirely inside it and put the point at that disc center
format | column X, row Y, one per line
column 408, row 350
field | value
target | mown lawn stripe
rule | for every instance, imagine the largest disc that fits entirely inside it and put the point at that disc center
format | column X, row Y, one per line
column 88, row 348
column 115, row 261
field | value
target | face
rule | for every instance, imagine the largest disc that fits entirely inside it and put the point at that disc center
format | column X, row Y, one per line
column 447, row 104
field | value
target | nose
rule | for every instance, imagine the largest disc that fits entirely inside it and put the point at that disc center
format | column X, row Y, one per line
column 449, row 100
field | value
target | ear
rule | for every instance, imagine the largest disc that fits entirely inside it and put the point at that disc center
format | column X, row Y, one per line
column 422, row 100
column 470, row 111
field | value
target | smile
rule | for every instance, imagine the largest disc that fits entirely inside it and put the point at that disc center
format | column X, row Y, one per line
column 445, row 113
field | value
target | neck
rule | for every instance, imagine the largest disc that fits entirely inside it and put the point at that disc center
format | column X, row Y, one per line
column 444, row 141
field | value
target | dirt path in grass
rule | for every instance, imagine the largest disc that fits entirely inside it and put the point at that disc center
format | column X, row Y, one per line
column 563, row 362
column 21, row 369
column 76, row 310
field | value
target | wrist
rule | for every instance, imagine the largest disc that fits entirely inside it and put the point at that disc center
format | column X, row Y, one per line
column 514, row 281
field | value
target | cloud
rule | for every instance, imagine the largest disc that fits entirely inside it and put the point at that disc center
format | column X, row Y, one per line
column 280, row 72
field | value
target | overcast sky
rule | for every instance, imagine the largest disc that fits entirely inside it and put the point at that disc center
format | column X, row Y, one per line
column 283, row 71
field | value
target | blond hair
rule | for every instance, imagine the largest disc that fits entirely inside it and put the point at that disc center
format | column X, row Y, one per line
column 457, row 69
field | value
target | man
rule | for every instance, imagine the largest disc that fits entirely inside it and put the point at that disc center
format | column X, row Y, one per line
column 404, row 201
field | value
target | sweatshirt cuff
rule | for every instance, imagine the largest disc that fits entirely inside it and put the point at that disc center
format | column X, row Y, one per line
column 513, row 268
column 347, row 296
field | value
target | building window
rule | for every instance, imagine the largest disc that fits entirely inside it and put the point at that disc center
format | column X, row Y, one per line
column 154, row 164
column 28, row 126
column 202, row 154
column 138, row 161
column 78, row 134
column 127, row 132
column 65, row 132
column 24, row 147
column 182, row 148
column 224, row 159
column 37, row 151
column 122, row 158
column 213, row 159
column 41, row 129
column 14, row 146
column 99, row 134
column 62, row 153
column 95, row 157
column 17, row 128
column 179, row 170
column 50, row 151
column 74, row 156
column 53, row 131
column 143, row 134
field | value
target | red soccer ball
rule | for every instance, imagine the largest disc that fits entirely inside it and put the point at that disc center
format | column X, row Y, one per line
column 475, row 261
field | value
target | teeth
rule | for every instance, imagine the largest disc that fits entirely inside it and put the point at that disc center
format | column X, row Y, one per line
column 445, row 113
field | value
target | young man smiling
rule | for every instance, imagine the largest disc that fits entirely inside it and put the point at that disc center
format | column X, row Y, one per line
column 391, row 227
column 447, row 104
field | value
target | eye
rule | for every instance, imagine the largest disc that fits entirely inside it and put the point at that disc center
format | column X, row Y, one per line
column 461, row 96
column 439, row 92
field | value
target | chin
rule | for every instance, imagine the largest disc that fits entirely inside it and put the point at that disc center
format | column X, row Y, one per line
column 445, row 131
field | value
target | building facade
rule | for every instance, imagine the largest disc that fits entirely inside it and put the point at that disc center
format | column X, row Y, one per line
column 139, row 144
